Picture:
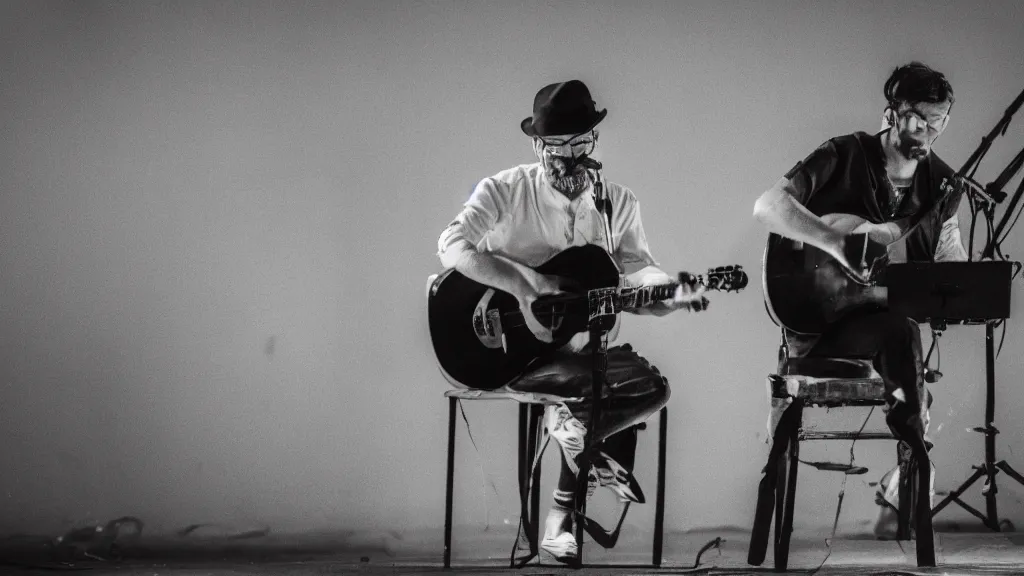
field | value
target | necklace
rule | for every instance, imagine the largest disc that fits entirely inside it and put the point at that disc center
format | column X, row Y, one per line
column 896, row 196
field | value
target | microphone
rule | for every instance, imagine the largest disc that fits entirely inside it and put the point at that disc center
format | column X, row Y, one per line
column 988, row 196
column 600, row 201
column 997, row 195
column 588, row 162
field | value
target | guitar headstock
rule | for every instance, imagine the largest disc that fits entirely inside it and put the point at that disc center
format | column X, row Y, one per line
column 724, row 278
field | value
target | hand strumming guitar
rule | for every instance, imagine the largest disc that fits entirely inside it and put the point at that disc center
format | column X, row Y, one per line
column 535, row 286
column 859, row 255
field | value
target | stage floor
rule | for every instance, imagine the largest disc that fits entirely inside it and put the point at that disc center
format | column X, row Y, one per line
column 481, row 553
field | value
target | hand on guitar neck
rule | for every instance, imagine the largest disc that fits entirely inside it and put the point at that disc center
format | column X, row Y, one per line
column 689, row 295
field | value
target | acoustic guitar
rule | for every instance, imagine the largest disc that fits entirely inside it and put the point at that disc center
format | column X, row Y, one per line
column 481, row 340
column 806, row 289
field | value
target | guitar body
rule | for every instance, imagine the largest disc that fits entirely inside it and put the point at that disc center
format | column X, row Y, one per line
column 487, row 355
column 806, row 289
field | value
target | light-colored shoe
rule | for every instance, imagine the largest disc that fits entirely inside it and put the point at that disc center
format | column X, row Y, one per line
column 558, row 538
column 612, row 475
column 562, row 547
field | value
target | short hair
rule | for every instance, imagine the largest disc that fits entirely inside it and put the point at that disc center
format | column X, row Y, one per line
column 916, row 82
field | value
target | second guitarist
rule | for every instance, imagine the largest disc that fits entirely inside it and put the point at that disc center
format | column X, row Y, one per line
column 519, row 218
column 889, row 176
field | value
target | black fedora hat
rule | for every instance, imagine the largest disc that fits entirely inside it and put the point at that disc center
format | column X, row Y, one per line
column 563, row 108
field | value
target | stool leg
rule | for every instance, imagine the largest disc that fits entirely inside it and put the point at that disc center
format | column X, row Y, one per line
column 786, row 499
column 536, row 422
column 522, row 447
column 659, row 507
column 449, row 484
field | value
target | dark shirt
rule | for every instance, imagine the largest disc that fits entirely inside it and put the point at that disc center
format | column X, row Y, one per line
column 846, row 174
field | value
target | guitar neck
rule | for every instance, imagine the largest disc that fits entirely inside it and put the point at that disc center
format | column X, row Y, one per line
column 640, row 297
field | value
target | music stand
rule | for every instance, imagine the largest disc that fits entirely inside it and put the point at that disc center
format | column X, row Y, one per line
column 989, row 467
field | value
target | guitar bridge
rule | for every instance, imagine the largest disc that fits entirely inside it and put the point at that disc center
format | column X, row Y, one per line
column 487, row 323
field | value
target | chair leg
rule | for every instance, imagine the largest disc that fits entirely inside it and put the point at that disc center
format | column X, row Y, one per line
column 925, row 536
column 786, row 499
column 449, row 484
column 915, row 514
column 773, row 479
column 923, row 509
column 659, row 506
column 764, row 508
column 905, row 464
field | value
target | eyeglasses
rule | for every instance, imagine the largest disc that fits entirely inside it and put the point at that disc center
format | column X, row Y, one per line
column 575, row 147
column 916, row 122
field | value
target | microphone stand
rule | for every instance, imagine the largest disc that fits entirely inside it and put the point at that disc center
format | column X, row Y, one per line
column 995, row 188
column 601, row 319
column 990, row 197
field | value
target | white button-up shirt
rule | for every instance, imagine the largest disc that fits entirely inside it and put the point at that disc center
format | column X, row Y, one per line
column 516, row 214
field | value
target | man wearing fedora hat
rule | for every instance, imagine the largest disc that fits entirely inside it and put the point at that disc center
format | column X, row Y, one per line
column 519, row 218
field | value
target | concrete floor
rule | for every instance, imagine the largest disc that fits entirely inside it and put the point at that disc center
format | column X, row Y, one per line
column 480, row 553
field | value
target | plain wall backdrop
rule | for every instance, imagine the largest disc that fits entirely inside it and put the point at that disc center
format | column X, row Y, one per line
column 217, row 221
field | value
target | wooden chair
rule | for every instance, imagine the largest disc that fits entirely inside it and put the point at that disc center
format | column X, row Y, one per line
column 830, row 382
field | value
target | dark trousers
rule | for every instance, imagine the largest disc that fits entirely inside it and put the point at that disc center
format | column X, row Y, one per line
column 634, row 389
column 893, row 343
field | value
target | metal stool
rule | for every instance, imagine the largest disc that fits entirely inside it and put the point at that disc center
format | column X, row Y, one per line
column 829, row 382
column 531, row 412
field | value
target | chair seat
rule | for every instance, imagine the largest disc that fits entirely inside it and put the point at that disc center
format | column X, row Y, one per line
column 506, row 394
column 815, row 367
column 832, row 392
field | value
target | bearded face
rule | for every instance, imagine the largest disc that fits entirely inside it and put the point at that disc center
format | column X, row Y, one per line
column 916, row 127
column 561, row 155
